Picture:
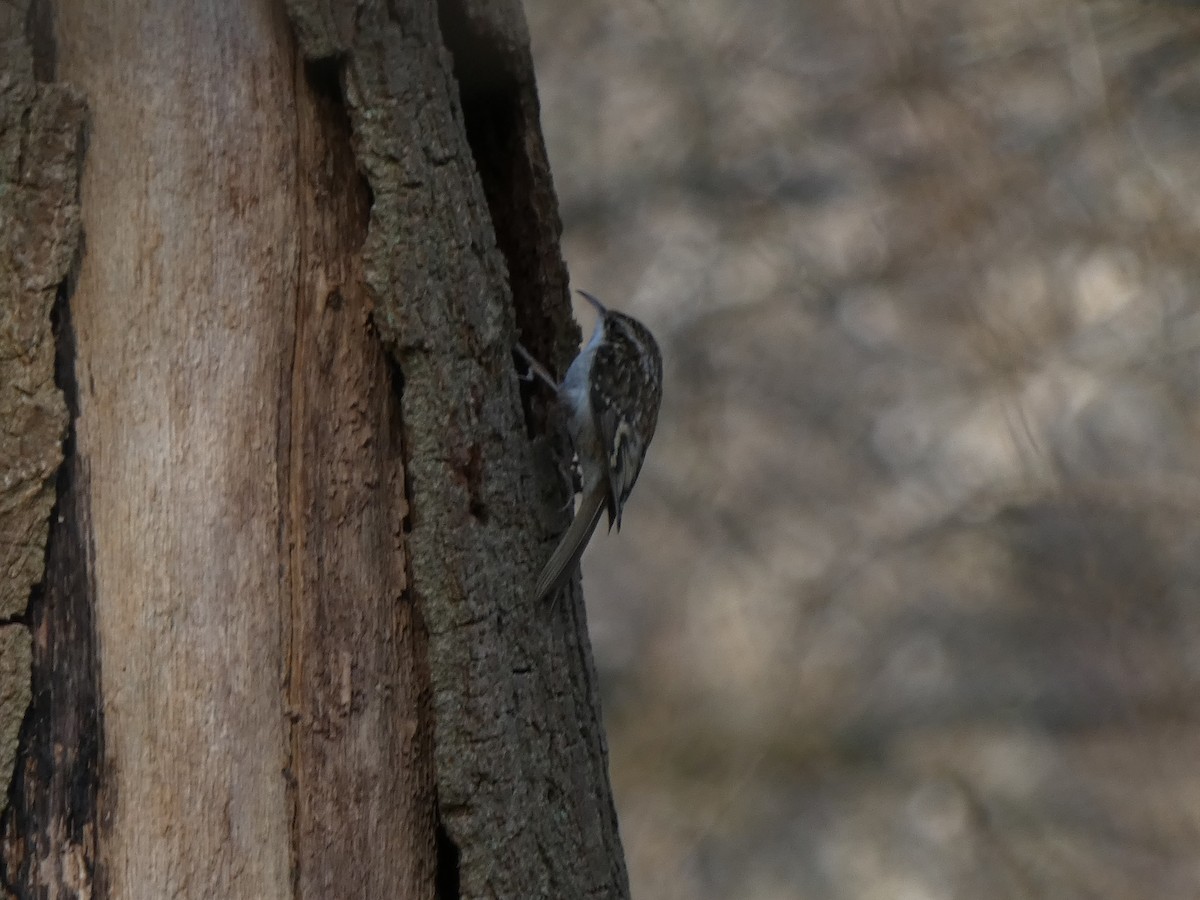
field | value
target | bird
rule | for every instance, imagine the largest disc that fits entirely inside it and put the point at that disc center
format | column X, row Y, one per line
column 611, row 393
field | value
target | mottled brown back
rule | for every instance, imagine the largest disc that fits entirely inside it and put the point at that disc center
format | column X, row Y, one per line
column 625, row 396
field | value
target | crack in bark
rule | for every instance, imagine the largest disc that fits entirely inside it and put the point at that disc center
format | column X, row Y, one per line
column 463, row 209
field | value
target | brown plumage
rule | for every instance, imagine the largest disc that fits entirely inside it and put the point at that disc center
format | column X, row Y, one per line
column 612, row 392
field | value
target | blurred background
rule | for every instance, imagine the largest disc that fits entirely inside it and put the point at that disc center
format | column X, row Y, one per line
column 905, row 604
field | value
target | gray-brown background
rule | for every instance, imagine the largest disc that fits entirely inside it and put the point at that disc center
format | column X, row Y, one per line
column 905, row 603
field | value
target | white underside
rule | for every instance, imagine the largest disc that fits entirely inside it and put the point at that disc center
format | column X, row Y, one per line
column 576, row 395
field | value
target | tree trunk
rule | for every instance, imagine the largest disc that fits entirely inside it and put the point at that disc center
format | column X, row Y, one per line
column 284, row 643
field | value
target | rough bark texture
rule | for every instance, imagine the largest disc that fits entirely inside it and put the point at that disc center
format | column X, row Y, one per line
column 14, row 691
column 521, row 763
column 40, row 130
column 49, row 839
column 289, row 572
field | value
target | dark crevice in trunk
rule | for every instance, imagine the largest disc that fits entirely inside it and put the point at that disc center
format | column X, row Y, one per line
column 49, row 831
column 39, row 31
column 447, row 866
column 396, row 375
column 490, row 95
column 498, row 97
column 324, row 78
column 499, row 105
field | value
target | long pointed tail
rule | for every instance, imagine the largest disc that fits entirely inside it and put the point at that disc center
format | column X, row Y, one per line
column 570, row 548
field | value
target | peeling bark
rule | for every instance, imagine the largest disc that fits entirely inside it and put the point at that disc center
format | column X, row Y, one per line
column 40, row 133
column 521, row 762
column 361, row 751
column 40, row 129
column 49, row 843
column 15, row 659
column 284, row 643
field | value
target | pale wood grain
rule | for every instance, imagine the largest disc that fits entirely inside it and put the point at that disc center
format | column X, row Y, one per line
column 182, row 313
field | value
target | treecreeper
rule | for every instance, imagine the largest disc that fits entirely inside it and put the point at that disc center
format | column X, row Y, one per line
column 611, row 394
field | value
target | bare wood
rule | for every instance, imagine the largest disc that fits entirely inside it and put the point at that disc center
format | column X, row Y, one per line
column 263, row 685
column 362, row 755
column 183, row 310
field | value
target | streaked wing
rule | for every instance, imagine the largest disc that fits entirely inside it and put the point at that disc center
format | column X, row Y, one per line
column 625, row 403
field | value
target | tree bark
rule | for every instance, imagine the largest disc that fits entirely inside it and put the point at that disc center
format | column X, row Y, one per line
column 45, row 634
column 284, row 644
